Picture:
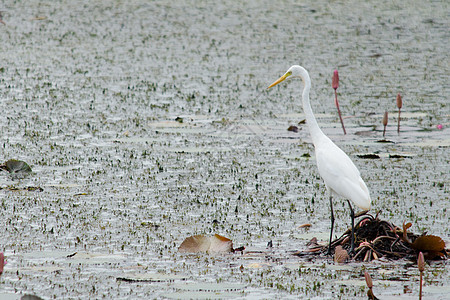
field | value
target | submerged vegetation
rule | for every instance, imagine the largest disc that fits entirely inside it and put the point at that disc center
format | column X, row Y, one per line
column 147, row 123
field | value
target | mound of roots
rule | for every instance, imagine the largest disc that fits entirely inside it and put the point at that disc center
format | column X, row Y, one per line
column 375, row 238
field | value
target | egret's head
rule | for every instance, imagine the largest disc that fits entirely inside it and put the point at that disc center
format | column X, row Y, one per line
column 295, row 71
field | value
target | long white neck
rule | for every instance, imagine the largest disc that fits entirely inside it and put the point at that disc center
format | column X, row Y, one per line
column 314, row 129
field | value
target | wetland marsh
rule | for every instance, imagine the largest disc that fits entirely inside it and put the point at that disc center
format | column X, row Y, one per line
column 146, row 122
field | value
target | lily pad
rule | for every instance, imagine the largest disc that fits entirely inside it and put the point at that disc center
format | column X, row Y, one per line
column 201, row 243
column 16, row 166
column 151, row 277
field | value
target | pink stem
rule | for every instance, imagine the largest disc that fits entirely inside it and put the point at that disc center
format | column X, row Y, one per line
column 339, row 111
column 420, row 292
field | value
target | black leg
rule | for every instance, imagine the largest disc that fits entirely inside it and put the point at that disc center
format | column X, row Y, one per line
column 352, row 238
column 332, row 225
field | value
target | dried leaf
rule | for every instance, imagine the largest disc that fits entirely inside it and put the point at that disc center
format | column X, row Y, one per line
column 405, row 232
column 220, row 244
column 307, row 225
column 196, row 243
column 313, row 243
column 340, row 255
column 428, row 243
column 201, row 243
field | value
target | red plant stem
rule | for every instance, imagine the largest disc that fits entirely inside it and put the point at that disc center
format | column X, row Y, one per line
column 339, row 111
column 384, row 130
column 420, row 291
column 398, row 124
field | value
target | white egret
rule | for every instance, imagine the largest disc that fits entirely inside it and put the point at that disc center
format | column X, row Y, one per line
column 340, row 175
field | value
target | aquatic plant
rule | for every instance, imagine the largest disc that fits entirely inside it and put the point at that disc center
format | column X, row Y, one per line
column 421, row 266
column 2, row 262
column 335, row 85
column 399, row 105
column 369, row 284
column 385, row 122
column 378, row 238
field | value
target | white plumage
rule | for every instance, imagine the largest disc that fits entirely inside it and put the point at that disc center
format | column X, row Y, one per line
column 337, row 170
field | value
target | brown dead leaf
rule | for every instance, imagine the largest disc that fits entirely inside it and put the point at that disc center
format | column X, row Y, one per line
column 340, row 255
column 220, row 244
column 313, row 243
column 201, row 243
column 428, row 243
column 405, row 232
column 307, row 225
column 196, row 243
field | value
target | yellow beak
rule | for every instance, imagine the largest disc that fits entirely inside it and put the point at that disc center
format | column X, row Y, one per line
column 282, row 78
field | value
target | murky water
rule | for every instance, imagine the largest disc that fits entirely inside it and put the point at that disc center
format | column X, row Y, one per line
column 90, row 93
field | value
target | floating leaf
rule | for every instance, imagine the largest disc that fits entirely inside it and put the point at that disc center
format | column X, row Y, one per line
column 16, row 166
column 151, row 277
column 385, row 141
column 196, row 243
column 368, row 156
column 399, row 156
column 293, row 128
column 30, row 297
column 220, row 244
column 201, row 243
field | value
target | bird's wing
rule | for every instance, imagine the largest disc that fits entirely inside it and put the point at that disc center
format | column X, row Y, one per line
column 341, row 175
